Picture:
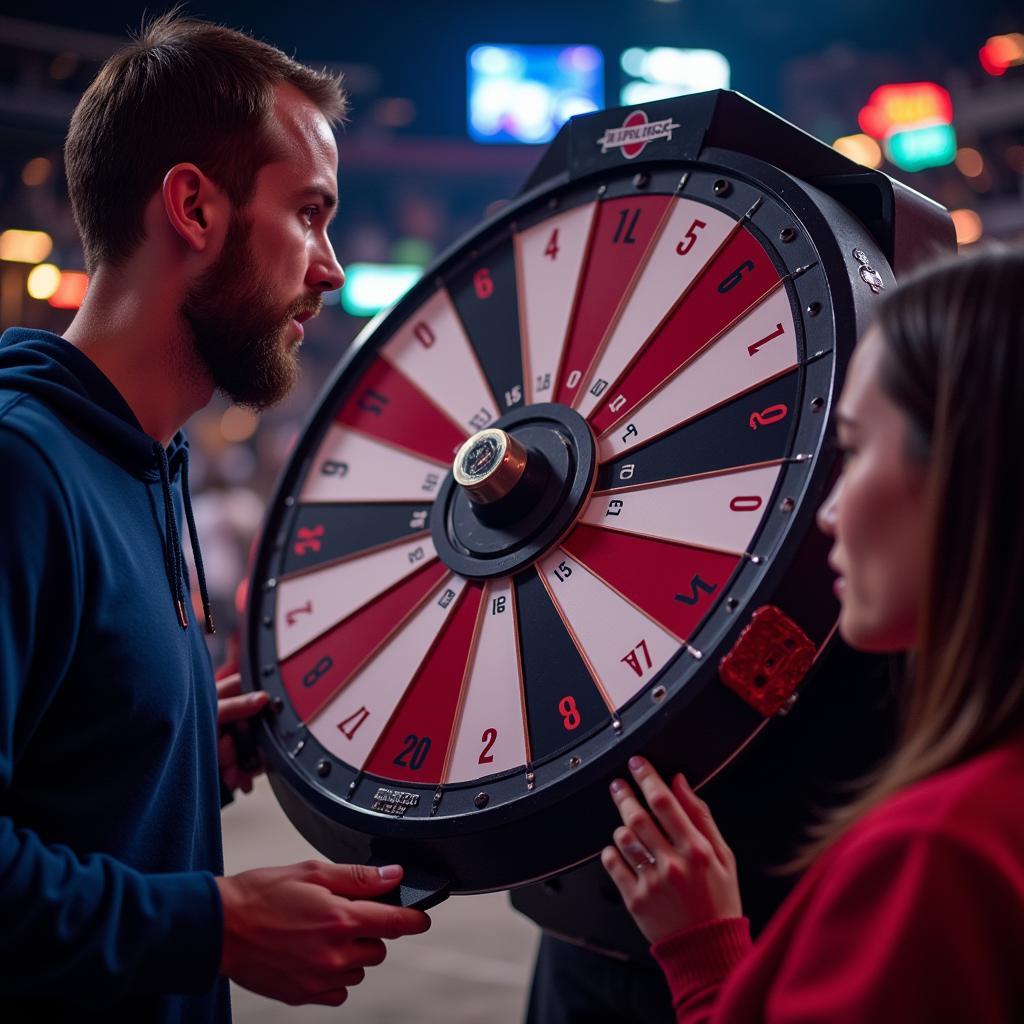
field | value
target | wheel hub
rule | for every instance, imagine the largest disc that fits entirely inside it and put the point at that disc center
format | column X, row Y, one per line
column 514, row 490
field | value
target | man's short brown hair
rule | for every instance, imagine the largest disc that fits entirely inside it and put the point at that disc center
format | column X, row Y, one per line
column 182, row 91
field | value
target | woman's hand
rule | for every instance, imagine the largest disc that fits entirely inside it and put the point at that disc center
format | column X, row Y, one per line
column 674, row 870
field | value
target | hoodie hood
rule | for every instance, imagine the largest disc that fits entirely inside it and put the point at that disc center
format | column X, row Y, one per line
column 70, row 384
column 73, row 386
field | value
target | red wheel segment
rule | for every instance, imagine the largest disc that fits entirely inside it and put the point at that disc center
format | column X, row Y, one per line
column 690, row 235
column 673, row 583
column 310, row 603
column 350, row 644
column 621, row 645
column 620, row 240
column 738, row 276
column 414, row 746
column 388, row 406
column 350, row 725
column 736, row 362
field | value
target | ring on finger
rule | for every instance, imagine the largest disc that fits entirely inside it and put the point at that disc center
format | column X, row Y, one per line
column 639, row 856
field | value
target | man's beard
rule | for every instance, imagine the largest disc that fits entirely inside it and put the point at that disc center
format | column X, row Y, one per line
column 237, row 333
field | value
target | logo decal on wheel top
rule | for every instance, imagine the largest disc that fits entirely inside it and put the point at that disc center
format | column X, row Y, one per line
column 636, row 132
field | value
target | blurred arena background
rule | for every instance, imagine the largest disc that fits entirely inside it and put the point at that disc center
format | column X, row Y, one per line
column 451, row 105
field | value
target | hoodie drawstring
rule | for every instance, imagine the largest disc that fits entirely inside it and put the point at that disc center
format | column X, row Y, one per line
column 193, row 538
column 172, row 549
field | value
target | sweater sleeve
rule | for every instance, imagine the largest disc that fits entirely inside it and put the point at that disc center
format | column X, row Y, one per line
column 697, row 961
column 907, row 926
column 82, row 927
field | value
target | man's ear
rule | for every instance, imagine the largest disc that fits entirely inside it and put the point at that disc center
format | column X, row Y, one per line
column 195, row 207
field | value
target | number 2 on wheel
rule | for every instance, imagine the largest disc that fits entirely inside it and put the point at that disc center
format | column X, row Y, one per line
column 487, row 739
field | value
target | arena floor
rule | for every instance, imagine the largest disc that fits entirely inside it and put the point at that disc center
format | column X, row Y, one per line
column 473, row 965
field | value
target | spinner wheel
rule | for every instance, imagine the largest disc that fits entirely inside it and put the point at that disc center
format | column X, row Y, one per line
column 556, row 507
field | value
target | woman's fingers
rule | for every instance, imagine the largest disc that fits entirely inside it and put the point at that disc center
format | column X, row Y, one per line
column 637, row 820
column 633, row 852
column 700, row 814
column 669, row 812
column 618, row 871
column 678, row 814
column 671, row 867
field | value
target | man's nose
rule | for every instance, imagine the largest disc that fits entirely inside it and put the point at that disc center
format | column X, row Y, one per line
column 325, row 273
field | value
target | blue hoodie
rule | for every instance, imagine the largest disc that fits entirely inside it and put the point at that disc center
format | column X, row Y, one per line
column 109, row 785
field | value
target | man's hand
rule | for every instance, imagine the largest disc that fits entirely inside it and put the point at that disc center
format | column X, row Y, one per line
column 305, row 933
column 235, row 708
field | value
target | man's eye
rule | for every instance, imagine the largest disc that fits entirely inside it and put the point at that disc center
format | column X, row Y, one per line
column 309, row 213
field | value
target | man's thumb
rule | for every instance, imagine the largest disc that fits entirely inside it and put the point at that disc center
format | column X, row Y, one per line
column 357, row 880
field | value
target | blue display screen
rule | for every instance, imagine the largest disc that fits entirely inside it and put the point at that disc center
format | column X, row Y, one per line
column 526, row 93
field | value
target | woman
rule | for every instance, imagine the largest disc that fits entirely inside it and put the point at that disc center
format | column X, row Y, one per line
column 913, row 906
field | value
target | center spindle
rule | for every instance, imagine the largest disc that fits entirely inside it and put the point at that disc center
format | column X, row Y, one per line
column 489, row 465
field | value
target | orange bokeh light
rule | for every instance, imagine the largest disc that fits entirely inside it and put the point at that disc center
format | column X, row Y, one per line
column 968, row 226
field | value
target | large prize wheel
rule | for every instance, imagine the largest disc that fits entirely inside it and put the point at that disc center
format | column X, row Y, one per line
column 557, row 506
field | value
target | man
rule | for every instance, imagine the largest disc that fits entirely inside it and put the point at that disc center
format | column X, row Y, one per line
column 202, row 172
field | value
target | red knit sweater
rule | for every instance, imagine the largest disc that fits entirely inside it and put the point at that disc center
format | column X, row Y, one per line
column 916, row 914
